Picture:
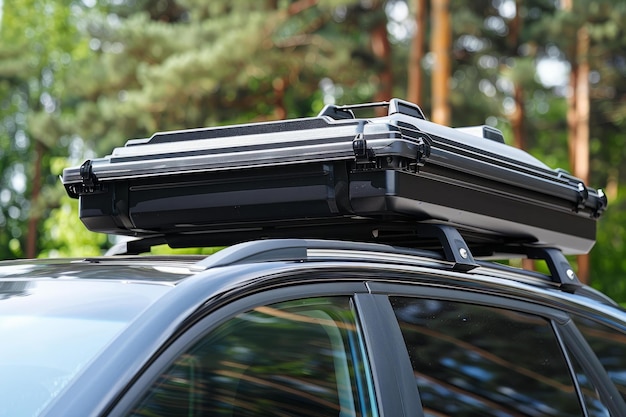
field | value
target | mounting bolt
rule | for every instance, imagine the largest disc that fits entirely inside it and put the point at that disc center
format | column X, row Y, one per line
column 463, row 253
column 570, row 274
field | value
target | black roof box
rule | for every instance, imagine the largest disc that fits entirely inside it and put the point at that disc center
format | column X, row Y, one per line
column 334, row 176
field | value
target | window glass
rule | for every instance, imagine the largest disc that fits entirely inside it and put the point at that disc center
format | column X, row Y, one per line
column 50, row 330
column 610, row 348
column 593, row 403
column 472, row 360
column 298, row 358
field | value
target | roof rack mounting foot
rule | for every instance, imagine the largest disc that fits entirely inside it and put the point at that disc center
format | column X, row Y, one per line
column 560, row 268
column 455, row 248
column 136, row 246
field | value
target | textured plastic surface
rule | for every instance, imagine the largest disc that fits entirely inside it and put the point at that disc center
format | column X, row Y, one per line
column 333, row 177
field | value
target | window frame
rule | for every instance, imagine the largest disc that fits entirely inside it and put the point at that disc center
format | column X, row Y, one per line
column 593, row 368
column 568, row 337
column 395, row 392
column 214, row 318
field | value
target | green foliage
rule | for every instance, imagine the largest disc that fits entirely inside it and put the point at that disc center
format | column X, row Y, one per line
column 608, row 260
column 79, row 79
column 38, row 41
column 68, row 236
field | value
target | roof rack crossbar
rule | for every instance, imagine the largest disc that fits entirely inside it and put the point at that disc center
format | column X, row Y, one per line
column 455, row 248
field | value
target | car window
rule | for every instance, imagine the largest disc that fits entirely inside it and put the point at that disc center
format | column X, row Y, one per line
column 297, row 358
column 51, row 330
column 475, row 360
column 609, row 346
column 591, row 396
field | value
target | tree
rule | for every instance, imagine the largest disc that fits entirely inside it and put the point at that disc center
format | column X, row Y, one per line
column 415, row 78
column 441, row 47
column 89, row 78
column 33, row 59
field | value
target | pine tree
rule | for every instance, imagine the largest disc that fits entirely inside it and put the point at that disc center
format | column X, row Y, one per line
column 38, row 40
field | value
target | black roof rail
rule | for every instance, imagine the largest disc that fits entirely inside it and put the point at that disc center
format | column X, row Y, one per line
column 257, row 251
column 454, row 248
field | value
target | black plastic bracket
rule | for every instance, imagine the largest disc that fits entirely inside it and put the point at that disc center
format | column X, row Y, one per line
column 455, row 248
column 136, row 246
column 560, row 269
column 561, row 272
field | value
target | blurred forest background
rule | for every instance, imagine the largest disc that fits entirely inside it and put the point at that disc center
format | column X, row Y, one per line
column 80, row 77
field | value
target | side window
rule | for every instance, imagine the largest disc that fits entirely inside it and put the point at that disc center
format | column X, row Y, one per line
column 591, row 397
column 475, row 360
column 609, row 346
column 298, row 358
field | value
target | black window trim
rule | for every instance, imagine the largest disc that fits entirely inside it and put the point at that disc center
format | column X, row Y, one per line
column 463, row 295
column 574, row 343
column 395, row 388
column 563, row 342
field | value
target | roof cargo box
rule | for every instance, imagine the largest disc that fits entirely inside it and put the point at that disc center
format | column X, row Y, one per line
column 334, row 176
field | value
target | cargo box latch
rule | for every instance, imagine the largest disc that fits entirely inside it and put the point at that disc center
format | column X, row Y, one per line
column 362, row 154
column 89, row 182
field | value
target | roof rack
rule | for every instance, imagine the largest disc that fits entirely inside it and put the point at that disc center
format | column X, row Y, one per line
column 452, row 246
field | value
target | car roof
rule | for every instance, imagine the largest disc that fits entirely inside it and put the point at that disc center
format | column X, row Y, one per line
column 155, row 269
column 170, row 270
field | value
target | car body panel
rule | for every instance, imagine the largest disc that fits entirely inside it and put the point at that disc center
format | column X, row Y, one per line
column 167, row 298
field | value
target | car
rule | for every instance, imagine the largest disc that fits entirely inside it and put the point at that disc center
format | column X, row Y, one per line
column 377, row 313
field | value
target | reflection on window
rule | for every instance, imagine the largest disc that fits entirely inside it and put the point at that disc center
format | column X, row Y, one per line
column 472, row 360
column 609, row 346
column 591, row 397
column 299, row 358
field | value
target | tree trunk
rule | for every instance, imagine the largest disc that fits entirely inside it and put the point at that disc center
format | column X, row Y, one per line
column 578, row 109
column 382, row 51
column 33, row 220
column 280, row 109
column 580, row 161
column 441, row 44
column 415, row 85
column 518, row 117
